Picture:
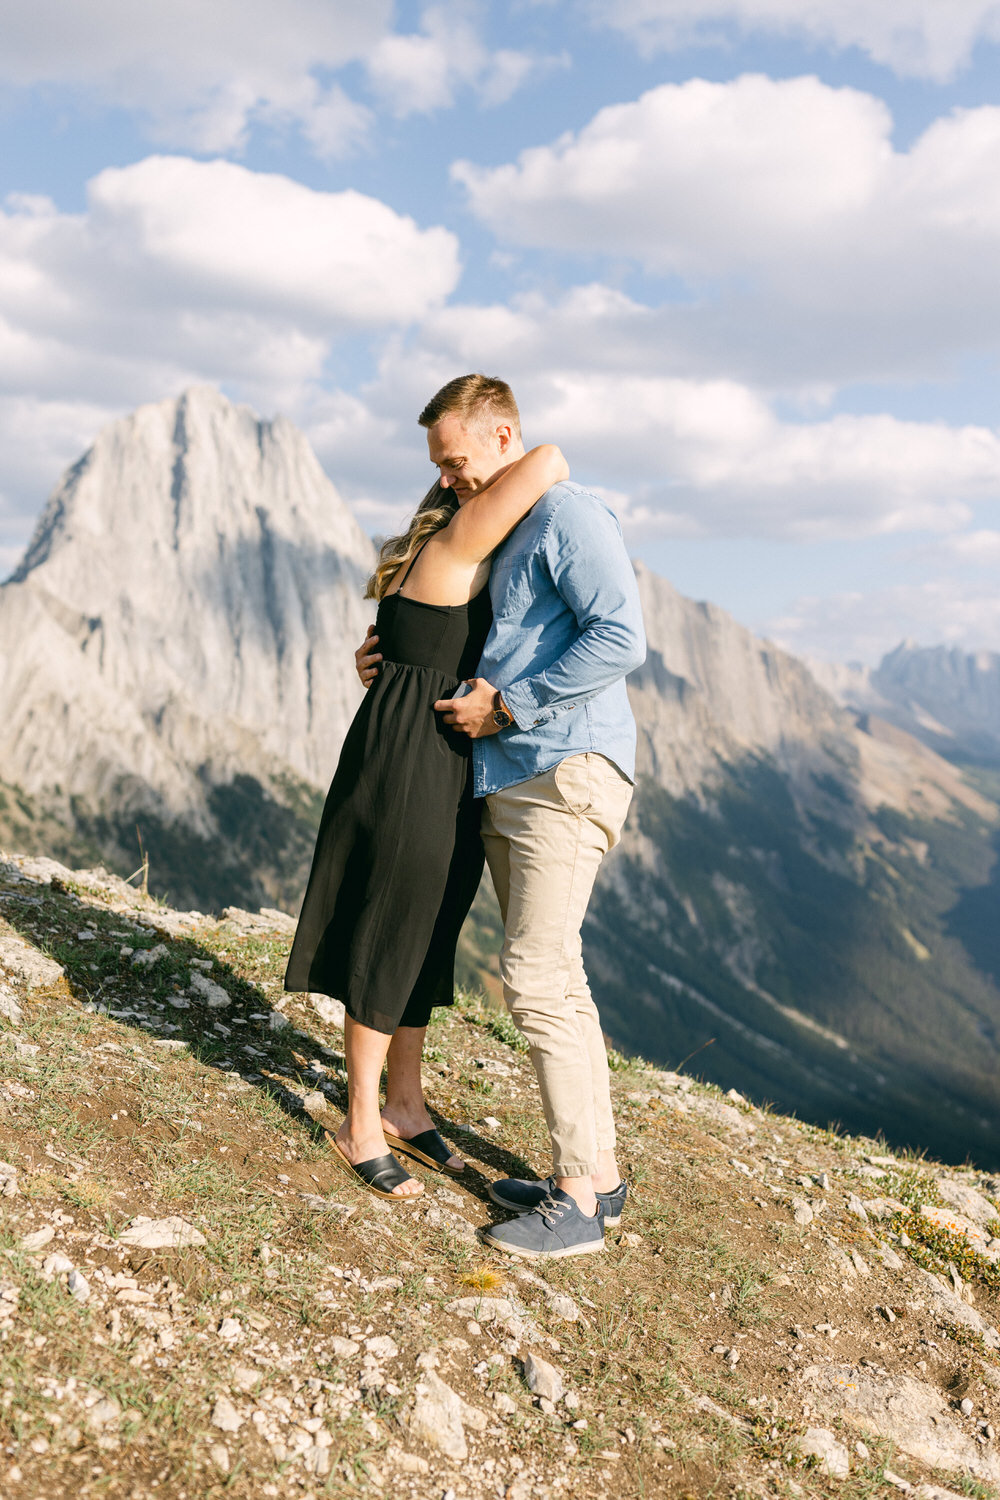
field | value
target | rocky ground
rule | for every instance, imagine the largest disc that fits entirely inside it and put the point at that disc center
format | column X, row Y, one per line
column 195, row 1300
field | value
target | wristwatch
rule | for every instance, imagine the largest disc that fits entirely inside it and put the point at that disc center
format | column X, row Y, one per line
column 502, row 717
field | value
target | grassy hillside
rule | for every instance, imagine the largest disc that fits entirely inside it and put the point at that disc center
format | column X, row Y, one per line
column 775, row 1290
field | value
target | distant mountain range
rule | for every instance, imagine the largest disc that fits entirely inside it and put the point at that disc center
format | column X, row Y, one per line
column 948, row 698
column 806, row 898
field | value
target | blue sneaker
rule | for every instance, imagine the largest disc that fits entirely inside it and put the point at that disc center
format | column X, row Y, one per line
column 521, row 1196
column 556, row 1228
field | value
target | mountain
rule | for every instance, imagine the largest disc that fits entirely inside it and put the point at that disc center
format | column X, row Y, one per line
column 805, row 899
column 802, row 892
column 946, row 697
column 172, row 647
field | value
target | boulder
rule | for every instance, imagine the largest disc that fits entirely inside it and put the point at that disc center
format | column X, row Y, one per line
column 172, row 1233
column 25, row 962
column 950, row 1308
column 911, row 1414
column 436, row 1418
column 965, row 1199
column 820, row 1443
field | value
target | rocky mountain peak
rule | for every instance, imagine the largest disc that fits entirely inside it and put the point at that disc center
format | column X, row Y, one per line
column 191, row 578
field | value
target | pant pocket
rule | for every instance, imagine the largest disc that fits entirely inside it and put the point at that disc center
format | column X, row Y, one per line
column 574, row 783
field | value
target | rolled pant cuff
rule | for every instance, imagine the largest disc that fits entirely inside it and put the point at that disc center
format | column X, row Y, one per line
column 573, row 1169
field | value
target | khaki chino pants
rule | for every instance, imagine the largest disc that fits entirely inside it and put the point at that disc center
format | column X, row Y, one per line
column 545, row 839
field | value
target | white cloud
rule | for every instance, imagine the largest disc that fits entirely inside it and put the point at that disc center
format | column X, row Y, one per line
column 696, row 455
column 198, row 73
column 180, row 272
column 201, row 76
column 812, row 250
column 973, row 548
column 187, row 261
column 270, row 244
column 697, row 178
column 854, row 626
column 711, row 458
column 915, row 38
column 422, row 71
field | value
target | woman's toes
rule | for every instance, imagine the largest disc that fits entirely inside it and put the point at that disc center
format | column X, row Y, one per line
column 408, row 1189
column 456, row 1164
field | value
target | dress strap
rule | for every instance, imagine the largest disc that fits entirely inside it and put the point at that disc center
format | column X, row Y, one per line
column 412, row 560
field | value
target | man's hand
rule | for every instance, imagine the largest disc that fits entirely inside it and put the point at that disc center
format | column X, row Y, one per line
column 473, row 713
column 366, row 658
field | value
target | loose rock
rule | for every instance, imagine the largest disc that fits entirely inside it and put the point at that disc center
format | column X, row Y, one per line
column 25, row 962
column 382, row 1347
column 960, row 1196
column 436, row 1418
column 213, row 995
column 956, row 1223
column 78, row 1286
column 330, row 1011
column 542, row 1379
column 9, row 1008
column 156, row 1234
column 483, row 1309
column 225, row 1416
column 819, row 1442
column 951, row 1308
column 38, row 1238
column 219, row 1455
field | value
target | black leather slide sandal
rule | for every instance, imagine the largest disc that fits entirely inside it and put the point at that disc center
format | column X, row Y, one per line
column 379, row 1175
column 427, row 1147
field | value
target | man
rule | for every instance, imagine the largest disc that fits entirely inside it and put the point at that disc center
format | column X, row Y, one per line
column 554, row 757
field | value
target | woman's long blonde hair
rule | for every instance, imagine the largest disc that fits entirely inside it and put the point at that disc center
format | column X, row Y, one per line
column 434, row 511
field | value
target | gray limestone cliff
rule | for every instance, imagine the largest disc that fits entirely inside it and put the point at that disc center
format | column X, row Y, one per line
column 183, row 618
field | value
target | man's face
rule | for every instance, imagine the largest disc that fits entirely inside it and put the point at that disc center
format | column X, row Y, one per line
column 467, row 457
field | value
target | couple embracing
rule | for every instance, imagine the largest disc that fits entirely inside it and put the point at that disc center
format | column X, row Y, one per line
column 495, row 724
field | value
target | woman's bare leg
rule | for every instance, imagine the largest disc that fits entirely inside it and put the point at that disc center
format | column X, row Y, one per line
column 405, row 1112
column 360, row 1137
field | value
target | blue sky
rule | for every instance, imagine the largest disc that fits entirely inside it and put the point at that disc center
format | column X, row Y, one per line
column 736, row 256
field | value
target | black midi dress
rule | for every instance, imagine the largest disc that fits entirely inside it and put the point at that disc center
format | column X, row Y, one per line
column 398, row 855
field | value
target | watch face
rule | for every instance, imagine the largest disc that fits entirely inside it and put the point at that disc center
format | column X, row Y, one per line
column 501, row 718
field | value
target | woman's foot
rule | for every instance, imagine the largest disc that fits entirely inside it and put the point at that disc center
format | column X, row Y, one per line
column 407, row 1123
column 368, row 1146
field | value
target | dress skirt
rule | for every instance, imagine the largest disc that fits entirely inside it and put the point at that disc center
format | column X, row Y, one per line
column 398, row 855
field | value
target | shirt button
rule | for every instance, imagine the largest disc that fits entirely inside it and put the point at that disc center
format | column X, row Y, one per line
column 537, row 722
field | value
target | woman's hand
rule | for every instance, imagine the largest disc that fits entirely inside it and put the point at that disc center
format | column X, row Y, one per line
column 366, row 658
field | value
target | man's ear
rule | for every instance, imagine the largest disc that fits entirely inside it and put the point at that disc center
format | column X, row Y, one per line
column 503, row 436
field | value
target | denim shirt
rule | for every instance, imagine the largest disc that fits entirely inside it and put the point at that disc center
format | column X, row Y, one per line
column 567, row 627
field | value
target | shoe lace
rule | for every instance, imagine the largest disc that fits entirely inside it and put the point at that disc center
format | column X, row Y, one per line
column 550, row 1210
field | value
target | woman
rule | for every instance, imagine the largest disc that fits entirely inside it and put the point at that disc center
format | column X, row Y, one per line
column 398, row 855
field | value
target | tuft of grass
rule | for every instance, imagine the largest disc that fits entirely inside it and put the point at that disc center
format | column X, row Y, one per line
column 476, row 1009
column 86, row 1192
column 481, row 1279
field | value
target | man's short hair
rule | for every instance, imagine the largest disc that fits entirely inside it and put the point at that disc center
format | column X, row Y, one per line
column 479, row 401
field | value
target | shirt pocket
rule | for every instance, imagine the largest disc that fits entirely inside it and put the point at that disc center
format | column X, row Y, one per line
column 510, row 585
